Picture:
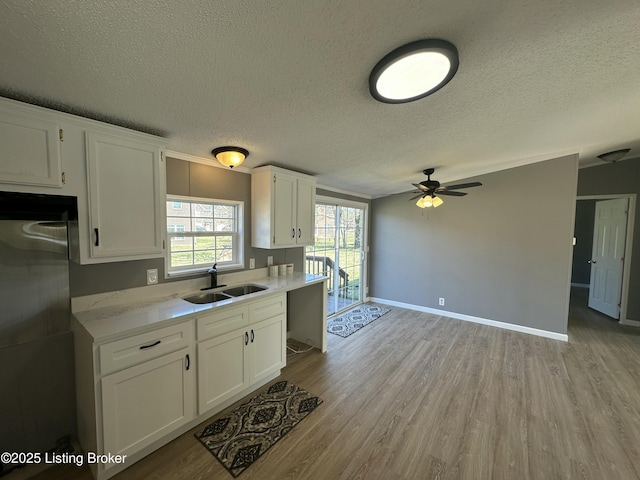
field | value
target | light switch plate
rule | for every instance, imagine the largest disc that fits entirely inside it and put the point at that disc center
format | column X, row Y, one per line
column 252, row 263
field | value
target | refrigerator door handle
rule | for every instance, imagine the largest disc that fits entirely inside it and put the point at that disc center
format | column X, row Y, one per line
column 97, row 244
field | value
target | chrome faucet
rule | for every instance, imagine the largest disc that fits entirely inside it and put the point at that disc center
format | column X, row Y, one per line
column 213, row 272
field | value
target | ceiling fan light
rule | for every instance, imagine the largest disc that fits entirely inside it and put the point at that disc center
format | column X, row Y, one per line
column 230, row 156
column 437, row 201
column 420, row 202
column 413, row 71
column 428, row 201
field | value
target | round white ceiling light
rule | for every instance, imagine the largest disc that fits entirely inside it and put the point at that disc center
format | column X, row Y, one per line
column 413, row 71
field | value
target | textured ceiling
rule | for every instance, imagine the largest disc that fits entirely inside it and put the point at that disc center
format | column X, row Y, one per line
column 288, row 80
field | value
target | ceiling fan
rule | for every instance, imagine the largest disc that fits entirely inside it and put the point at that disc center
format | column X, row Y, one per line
column 429, row 189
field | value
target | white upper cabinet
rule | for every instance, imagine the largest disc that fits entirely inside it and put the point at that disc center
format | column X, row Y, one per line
column 125, row 192
column 29, row 147
column 306, row 211
column 282, row 208
column 116, row 174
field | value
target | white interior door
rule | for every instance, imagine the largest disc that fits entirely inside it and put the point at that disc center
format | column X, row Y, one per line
column 609, row 234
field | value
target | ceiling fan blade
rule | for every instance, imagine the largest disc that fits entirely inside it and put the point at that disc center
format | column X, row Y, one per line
column 462, row 185
column 417, row 196
column 421, row 187
column 452, row 193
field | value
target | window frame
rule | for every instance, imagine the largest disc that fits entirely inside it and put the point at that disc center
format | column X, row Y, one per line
column 237, row 235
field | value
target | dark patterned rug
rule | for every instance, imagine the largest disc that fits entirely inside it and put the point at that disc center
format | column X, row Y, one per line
column 241, row 437
column 353, row 320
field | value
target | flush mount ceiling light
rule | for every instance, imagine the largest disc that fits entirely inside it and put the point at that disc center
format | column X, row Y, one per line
column 230, row 156
column 614, row 156
column 413, row 71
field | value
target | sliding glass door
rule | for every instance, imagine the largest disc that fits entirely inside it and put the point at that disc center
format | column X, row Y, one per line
column 339, row 253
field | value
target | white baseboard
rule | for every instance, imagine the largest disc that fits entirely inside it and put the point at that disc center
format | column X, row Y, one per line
column 469, row 318
column 630, row 323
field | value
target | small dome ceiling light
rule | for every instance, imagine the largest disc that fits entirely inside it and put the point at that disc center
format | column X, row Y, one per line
column 413, row 71
column 230, row 156
column 613, row 157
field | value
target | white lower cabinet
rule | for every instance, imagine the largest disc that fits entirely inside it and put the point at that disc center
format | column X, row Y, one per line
column 268, row 347
column 141, row 404
column 223, row 369
column 231, row 362
column 138, row 392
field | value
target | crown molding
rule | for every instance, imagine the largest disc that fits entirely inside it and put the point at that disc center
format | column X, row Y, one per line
column 212, row 162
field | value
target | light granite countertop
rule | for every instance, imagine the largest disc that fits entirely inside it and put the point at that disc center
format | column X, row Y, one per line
column 109, row 316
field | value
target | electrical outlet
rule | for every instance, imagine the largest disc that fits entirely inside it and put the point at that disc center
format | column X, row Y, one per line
column 269, row 261
column 441, row 302
column 152, row 276
column 252, row 263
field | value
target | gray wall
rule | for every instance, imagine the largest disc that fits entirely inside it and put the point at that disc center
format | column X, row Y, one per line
column 187, row 179
column 619, row 178
column 583, row 232
column 501, row 253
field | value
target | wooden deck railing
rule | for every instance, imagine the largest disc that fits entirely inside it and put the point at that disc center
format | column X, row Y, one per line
column 326, row 266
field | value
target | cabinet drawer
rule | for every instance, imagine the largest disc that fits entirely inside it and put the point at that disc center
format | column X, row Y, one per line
column 139, row 348
column 222, row 321
column 268, row 307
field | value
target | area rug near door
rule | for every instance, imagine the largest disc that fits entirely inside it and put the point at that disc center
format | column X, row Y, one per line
column 354, row 319
column 241, row 437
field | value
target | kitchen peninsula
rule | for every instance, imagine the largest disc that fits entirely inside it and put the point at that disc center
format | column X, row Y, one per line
column 151, row 365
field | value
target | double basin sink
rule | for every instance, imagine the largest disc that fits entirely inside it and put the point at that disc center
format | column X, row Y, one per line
column 212, row 297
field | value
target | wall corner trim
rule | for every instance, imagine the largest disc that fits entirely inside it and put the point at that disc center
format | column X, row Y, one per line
column 469, row 318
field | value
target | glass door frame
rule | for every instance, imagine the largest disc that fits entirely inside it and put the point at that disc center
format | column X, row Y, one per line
column 338, row 202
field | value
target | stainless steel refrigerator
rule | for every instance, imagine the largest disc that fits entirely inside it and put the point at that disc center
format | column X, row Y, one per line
column 37, row 388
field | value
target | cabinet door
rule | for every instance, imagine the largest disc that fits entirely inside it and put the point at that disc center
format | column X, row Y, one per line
column 223, row 368
column 141, row 404
column 29, row 150
column 125, row 197
column 283, row 215
column 306, row 209
column 267, row 347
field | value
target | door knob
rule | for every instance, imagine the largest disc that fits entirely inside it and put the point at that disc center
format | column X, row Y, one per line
column 591, row 261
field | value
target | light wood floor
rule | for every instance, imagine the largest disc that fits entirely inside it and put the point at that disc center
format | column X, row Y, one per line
column 417, row 396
